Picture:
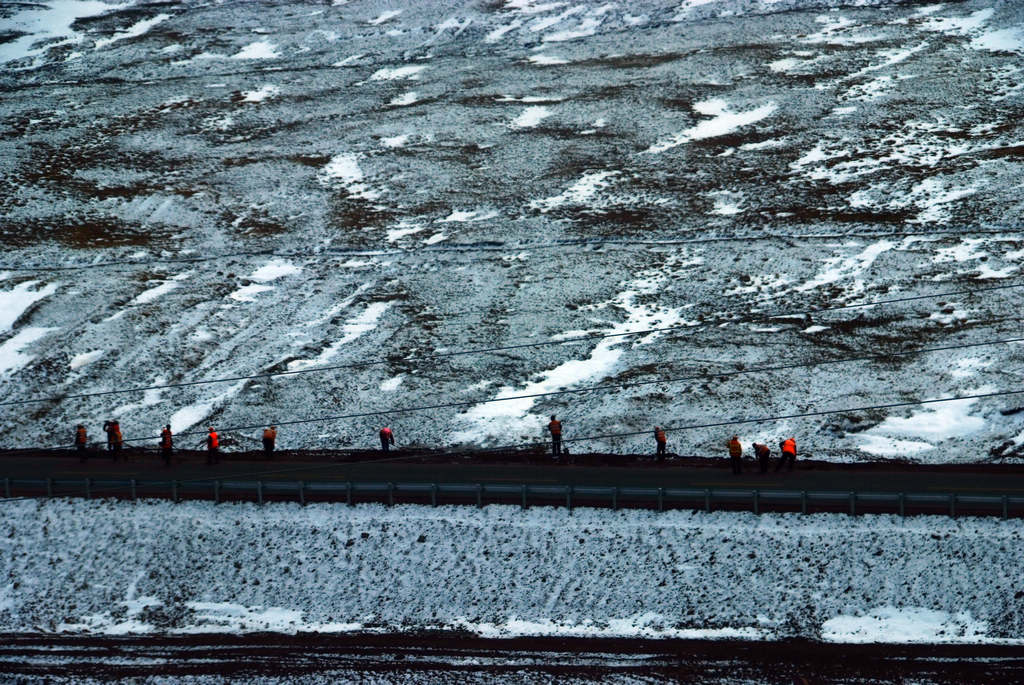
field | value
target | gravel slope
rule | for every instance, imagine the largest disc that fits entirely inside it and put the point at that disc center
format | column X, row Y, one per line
column 395, row 179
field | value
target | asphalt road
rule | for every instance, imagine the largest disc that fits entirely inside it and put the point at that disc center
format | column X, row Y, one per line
column 195, row 477
column 479, row 467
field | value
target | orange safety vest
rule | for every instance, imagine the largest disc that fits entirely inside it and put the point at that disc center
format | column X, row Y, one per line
column 387, row 435
column 115, row 435
column 735, row 448
column 269, row 434
column 165, row 438
column 659, row 435
column 555, row 427
column 212, row 440
column 80, row 437
column 789, row 447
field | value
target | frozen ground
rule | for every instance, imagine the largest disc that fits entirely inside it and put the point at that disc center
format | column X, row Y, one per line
column 412, row 167
column 102, row 567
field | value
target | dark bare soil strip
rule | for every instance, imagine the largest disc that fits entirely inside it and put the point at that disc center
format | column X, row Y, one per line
column 445, row 655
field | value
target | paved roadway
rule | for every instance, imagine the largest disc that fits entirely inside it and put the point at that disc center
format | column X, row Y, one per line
column 590, row 469
column 516, row 468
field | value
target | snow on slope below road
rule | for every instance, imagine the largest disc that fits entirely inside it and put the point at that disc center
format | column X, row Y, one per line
column 107, row 567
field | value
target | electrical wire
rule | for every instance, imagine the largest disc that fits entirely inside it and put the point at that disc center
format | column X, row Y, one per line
column 594, row 388
column 490, row 246
column 492, row 350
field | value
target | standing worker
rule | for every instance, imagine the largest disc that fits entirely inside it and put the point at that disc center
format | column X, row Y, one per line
column 660, row 439
column 269, row 438
column 763, row 455
column 387, row 438
column 166, row 444
column 115, row 439
column 555, row 428
column 735, row 454
column 81, row 442
column 212, row 447
column 788, row 447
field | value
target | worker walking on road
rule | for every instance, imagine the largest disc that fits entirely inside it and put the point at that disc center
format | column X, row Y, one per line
column 212, row 447
column 269, row 438
column 735, row 454
column 115, row 439
column 660, row 440
column 555, row 428
column 788, row 447
column 763, row 455
column 166, row 444
column 81, row 442
column 387, row 438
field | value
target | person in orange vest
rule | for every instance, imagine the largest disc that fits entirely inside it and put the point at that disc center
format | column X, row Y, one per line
column 788, row 447
column 736, row 454
column 660, row 439
column 166, row 444
column 269, row 438
column 555, row 428
column 763, row 455
column 387, row 438
column 81, row 442
column 115, row 439
column 212, row 447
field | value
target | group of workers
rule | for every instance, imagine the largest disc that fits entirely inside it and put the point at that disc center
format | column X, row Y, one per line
column 115, row 441
column 762, row 453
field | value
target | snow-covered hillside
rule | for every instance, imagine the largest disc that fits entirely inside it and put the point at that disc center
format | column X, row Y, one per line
column 117, row 568
column 375, row 180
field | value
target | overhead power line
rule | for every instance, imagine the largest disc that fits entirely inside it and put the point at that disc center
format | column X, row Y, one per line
column 491, row 350
column 494, row 246
column 594, row 388
column 781, row 417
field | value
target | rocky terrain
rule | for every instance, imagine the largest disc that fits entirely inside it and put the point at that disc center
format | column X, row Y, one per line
column 200, row 190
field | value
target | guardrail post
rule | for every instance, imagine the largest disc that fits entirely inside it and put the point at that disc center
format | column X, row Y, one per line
column 707, row 501
column 433, row 494
column 7, row 488
column 903, row 507
column 391, row 494
column 952, row 505
column 88, row 488
column 133, row 489
column 1006, row 507
column 757, row 501
column 615, row 498
column 661, row 499
column 174, row 491
column 479, row 495
column 216, row 492
column 522, row 489
column 259, row 492
column 348, row 493
column 49, row 487
column 853, row 503
column 803, row 502
column 302, row 493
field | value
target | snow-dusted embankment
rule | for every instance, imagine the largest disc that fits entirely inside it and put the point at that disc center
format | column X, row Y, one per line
column 106, row 567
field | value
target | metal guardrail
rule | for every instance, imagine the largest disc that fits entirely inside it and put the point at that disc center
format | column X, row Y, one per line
column 612, row 497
